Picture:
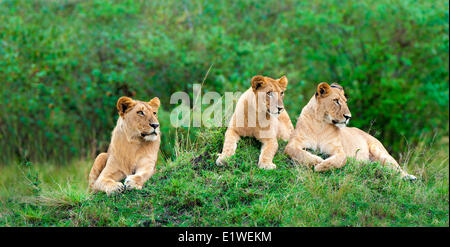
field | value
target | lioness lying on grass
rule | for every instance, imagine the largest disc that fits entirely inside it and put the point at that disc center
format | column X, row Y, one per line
column 322, row 126
column 259, row 113
column 133, row 151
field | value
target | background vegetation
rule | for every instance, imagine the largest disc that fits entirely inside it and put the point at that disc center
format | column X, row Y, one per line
column 64, row 64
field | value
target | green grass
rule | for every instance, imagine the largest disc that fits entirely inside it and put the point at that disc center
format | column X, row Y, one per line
column 193, row 191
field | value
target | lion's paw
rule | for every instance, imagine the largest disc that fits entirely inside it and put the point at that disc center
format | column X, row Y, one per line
column 117, row 187
column 221, row 160
column 131, row 184
column 313, row 162
column 267, row 166
column 317, row 160
column 323, row 166
column 409, row 177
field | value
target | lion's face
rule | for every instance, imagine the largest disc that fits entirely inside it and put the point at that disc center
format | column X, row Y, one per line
column 332, row 104
column 270, row 92
column 140, row 118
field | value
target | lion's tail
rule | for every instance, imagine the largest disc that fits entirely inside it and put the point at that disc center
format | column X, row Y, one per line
column 97, row 168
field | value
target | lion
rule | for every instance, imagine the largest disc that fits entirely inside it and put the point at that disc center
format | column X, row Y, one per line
column 259, row 113
column 133, row 151
column 322, row 126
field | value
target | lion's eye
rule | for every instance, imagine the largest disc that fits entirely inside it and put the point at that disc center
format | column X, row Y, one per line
column 282, row 93
column 154, row 113
column 337, row 101
column 270, row 94
column 140, row 113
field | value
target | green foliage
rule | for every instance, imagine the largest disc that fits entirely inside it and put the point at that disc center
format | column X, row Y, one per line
column 32, row 176
column 64, row 64
column 193, row 191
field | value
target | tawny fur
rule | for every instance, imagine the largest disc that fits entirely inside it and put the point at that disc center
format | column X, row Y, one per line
column 322, row 126
column 133, row 151
column 245, row 121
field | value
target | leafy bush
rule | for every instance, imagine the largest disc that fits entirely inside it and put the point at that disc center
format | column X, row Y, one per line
column 63, row 64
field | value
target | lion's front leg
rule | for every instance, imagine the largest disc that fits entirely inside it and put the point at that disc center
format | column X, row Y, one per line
column 295, row 150
column 145, row 168
column 109, row 178
column 229, row 145
column 337, row 159
column 268, row 150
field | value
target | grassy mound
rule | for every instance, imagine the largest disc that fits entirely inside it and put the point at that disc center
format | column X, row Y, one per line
column 193, row 191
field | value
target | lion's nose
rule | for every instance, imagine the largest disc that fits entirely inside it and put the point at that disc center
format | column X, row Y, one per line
column 154, row 125
column 280, row 109
column 347, row 117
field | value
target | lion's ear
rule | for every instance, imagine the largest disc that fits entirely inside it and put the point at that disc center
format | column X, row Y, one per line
column 283, row 81
column 124, row 104
column 258, row 82
column 323, row 89
column 154, row 103
column 335, row 85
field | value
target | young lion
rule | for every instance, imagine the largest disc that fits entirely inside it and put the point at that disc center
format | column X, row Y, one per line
column 133, row 151
column 322, row 125
column 259, row 113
